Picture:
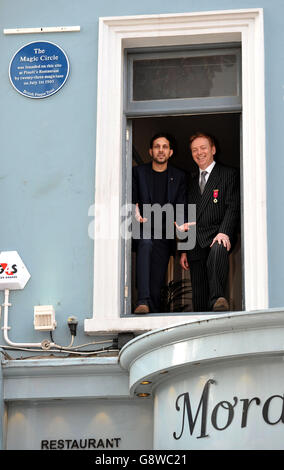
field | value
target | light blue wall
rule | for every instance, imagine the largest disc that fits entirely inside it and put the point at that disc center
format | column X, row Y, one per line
column 47, row 170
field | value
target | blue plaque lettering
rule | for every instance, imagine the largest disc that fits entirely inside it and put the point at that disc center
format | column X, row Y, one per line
column 39, row 69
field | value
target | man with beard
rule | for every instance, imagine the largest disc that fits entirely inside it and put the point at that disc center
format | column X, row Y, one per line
column 159, row 183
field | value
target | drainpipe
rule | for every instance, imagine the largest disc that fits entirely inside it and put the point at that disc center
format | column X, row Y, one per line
column 44, row 345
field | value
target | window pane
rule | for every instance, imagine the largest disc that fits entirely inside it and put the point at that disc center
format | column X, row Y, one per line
column 185, row 77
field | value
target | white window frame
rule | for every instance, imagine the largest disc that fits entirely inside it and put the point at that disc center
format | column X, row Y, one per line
column 116, row 34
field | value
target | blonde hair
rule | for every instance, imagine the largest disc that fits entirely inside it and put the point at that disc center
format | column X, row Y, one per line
column 201, row 134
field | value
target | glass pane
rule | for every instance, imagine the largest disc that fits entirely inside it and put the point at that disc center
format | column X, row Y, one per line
column 185, row 77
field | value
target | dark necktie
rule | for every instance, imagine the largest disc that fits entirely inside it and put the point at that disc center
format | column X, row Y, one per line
column 202, row 181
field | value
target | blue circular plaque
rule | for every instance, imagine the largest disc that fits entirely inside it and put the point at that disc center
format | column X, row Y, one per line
column 39, row 69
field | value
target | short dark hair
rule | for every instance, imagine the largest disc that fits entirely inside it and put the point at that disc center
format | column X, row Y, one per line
column 162, row 134
column 202, row 134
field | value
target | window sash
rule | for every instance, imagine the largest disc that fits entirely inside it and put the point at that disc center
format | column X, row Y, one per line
column 176, row 105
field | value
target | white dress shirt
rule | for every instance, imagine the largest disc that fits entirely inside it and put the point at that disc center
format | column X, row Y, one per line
column 208, row 169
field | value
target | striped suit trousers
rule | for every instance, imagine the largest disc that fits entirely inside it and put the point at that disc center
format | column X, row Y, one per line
column 209, row 276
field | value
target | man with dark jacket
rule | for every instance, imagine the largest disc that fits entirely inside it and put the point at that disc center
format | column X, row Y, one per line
column 155, row 183
column 215, row 191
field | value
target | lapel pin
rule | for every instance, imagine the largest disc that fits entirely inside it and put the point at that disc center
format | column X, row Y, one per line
column 215, row 195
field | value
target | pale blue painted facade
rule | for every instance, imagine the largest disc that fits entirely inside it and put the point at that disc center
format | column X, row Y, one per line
column 48, row 155
column 49, row 148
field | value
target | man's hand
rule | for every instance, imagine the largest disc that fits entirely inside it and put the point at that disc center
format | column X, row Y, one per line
column 184, row 227
column 138, row 216
column 183, row 262
column 223, row 239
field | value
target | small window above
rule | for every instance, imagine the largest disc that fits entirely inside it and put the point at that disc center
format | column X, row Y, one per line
column 184, row 79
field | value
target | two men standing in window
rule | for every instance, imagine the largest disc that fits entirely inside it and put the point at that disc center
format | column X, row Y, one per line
column 215, row 192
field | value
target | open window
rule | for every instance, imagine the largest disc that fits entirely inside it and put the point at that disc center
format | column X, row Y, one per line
column 181, row 91
column 244, row 27
column 225, row 127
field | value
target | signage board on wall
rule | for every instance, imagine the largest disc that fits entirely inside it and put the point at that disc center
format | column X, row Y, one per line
column 228, row 407
column 13, row 273
column 39, row 69
column 80, row 424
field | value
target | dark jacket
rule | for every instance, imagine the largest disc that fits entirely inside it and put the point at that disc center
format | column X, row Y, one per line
column 142, row 186
column 218, row 209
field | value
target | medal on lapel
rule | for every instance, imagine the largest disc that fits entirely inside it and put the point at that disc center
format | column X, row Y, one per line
column 215, row 195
